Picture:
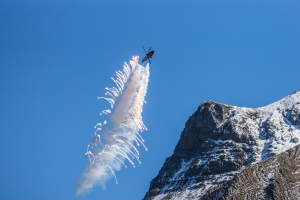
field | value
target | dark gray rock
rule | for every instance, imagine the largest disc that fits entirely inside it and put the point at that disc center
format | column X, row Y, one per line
column 295, row 140
column 275, row 178
column 194, row 150
column 219, row 141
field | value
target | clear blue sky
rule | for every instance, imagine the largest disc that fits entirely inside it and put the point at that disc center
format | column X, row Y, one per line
column 56, row 58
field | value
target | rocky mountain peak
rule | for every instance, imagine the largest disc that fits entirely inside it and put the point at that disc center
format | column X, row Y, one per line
column 206, row 119
column 219, row 141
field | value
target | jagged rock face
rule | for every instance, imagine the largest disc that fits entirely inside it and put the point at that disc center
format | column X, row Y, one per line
column 207, row 118
column 219, row 141
column 275, row 178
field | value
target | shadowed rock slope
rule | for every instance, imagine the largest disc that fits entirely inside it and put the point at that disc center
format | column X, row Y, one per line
column 219, row 142
column 275, row 178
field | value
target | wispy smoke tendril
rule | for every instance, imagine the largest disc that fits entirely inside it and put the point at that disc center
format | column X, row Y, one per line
column 114, row 142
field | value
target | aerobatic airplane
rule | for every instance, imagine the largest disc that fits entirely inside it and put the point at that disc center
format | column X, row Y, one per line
column 148, row 55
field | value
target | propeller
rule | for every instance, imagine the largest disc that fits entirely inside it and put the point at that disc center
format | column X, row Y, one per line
column 144, row 49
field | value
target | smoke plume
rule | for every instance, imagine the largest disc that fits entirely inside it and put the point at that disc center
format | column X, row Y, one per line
column 114, row 142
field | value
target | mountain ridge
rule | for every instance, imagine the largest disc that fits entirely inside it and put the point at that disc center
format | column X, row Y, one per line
column 263, row 180
column 220, row 140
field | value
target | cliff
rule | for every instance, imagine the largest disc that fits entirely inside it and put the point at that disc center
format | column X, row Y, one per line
column 220, row 142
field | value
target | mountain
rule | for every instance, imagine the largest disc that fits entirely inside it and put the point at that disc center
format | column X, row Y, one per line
column 221, row 143
column 274, row 178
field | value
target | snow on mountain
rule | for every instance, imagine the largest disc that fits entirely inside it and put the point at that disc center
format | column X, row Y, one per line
column 219, row 141
column 275, row 178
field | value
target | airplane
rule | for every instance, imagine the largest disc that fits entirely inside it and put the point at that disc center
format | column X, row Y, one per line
column 148, row 55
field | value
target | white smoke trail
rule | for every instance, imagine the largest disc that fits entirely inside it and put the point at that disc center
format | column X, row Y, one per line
column 121, row 133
